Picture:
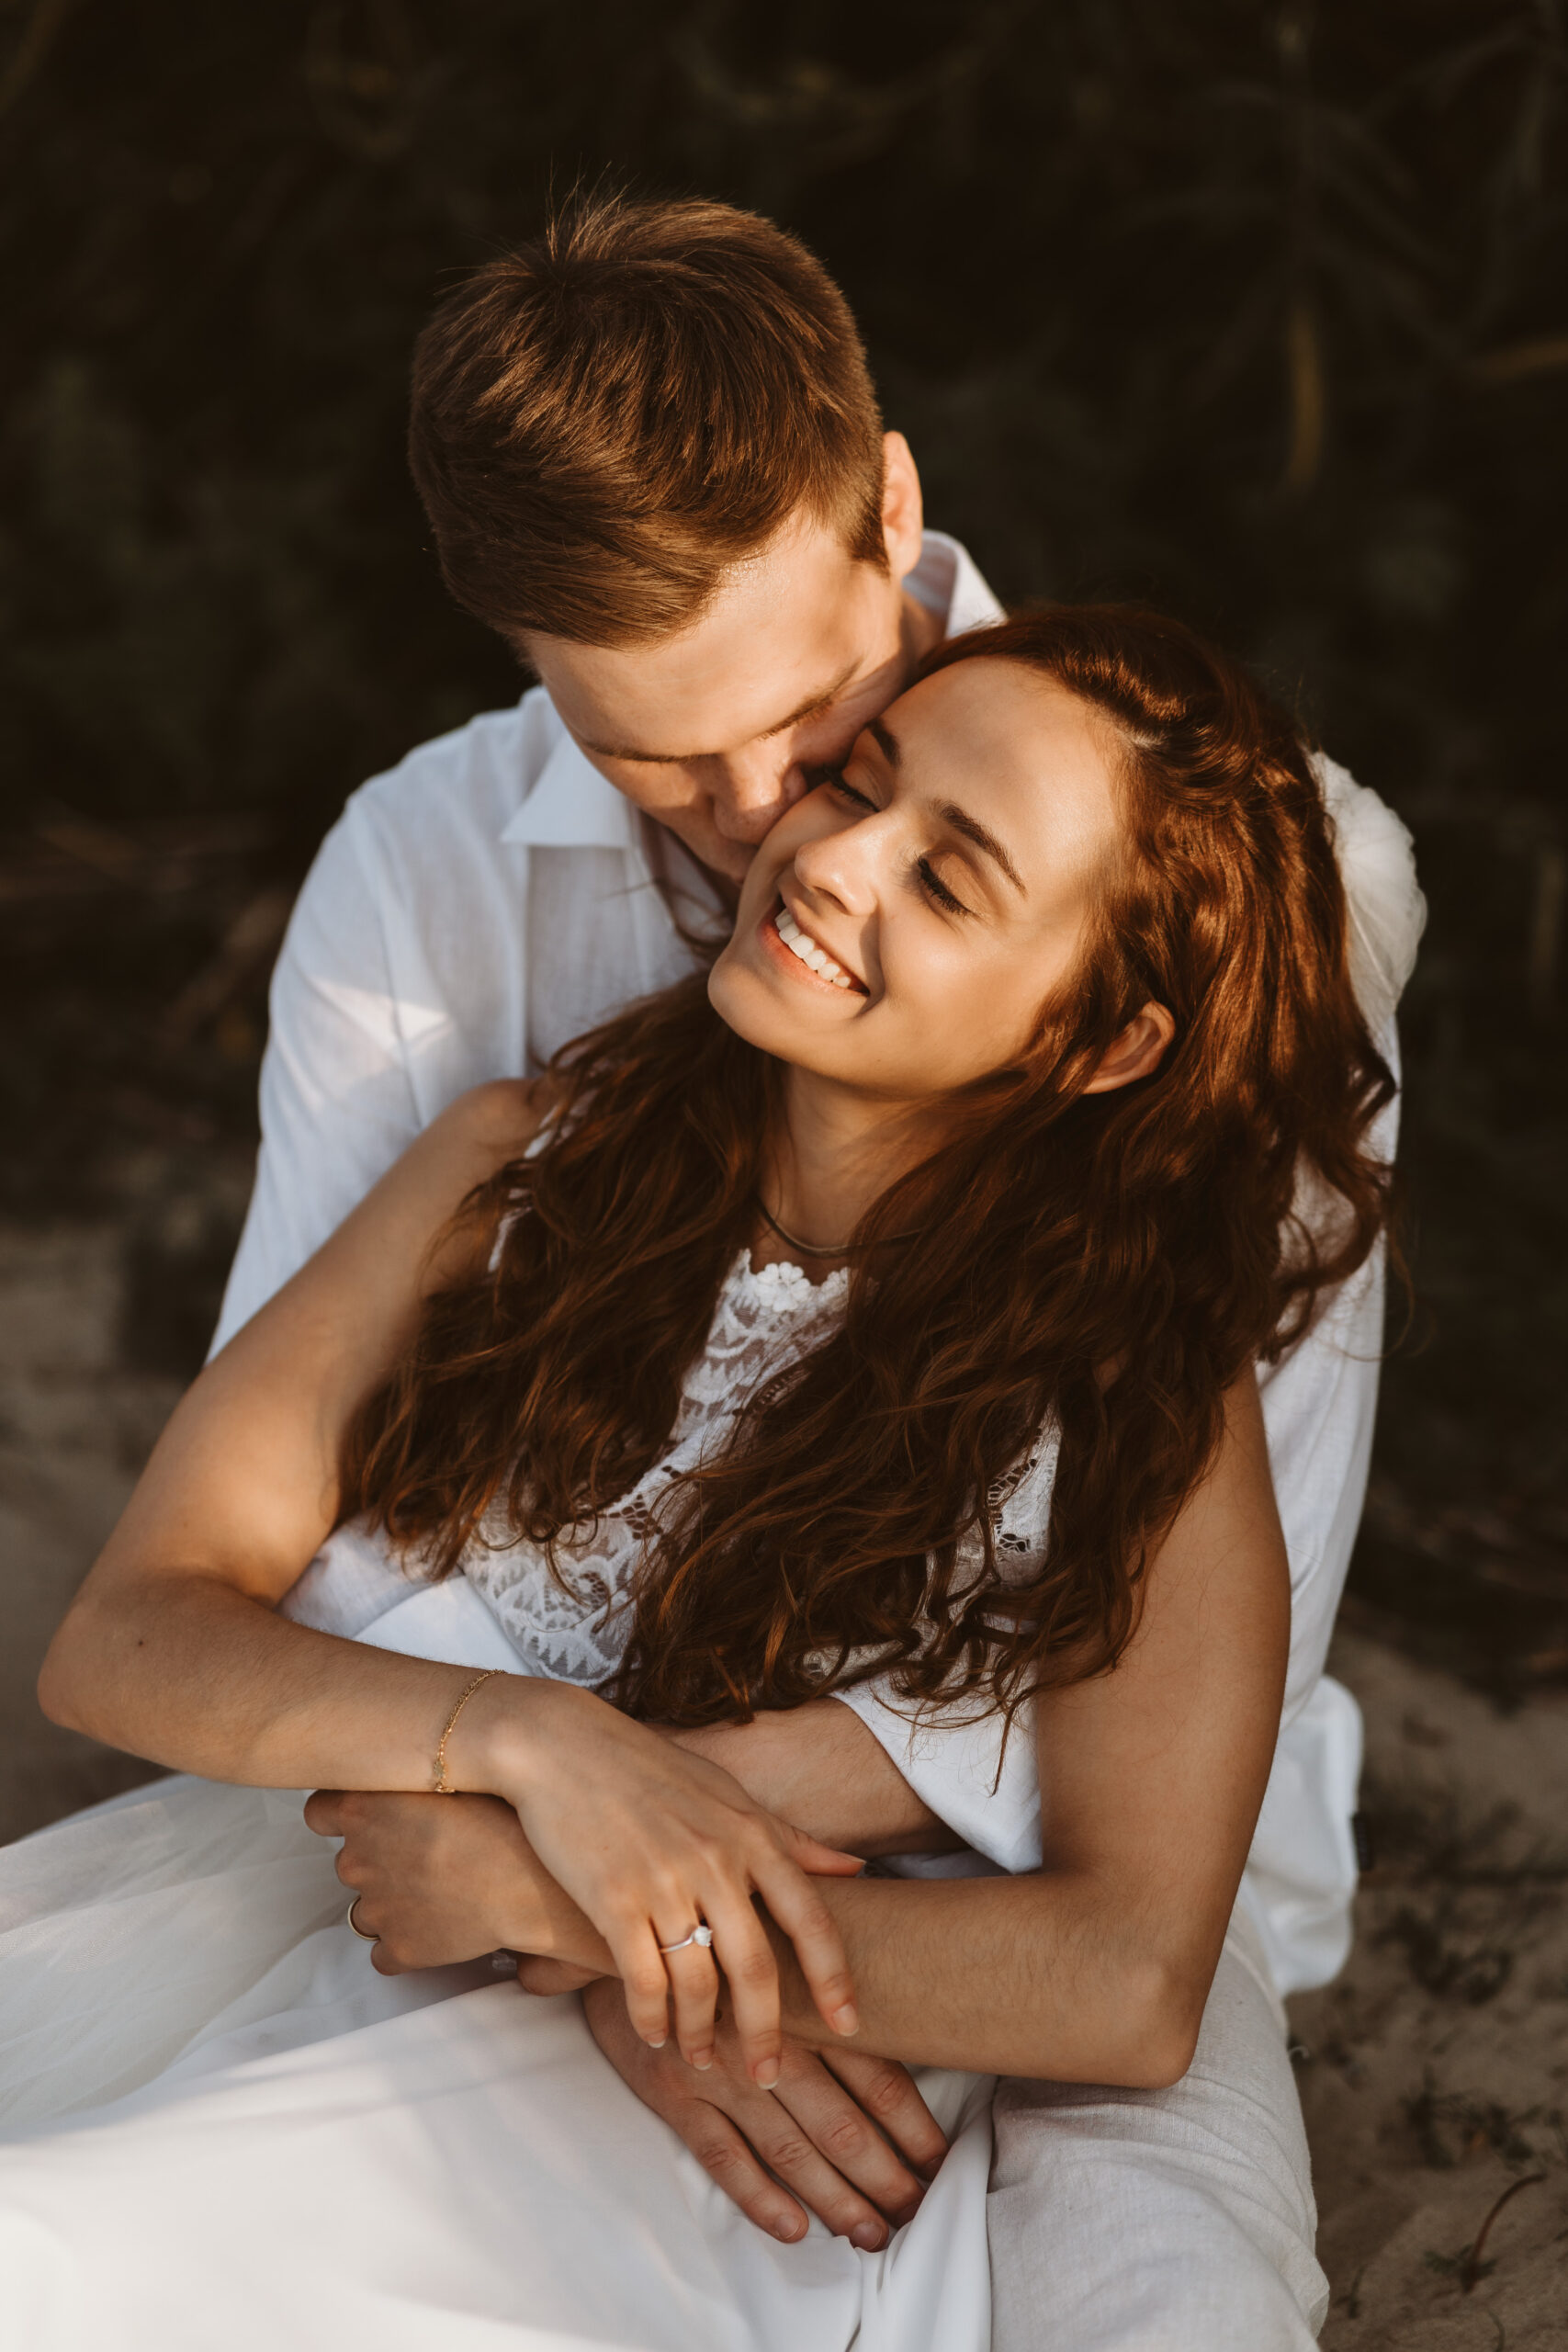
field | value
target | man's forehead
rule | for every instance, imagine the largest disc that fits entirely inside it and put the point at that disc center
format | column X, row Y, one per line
column 780, row 642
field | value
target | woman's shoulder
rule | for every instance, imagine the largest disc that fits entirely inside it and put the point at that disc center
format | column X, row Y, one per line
column 498, row 1119
column 420, row 1202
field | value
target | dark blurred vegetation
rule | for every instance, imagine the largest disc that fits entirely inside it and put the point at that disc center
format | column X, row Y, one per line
column 1258, row 312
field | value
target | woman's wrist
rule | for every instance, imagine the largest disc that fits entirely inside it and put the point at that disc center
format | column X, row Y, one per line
column 500, row 1742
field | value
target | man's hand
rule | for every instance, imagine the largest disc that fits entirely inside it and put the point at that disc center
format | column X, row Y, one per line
column 821, row 2130
column 444, row 1879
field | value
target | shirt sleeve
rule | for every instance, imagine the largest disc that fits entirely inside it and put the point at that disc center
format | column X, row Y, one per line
column 337, row 1106
column 982, row 1781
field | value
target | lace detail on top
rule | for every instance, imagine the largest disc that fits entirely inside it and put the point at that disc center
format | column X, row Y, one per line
column 766, row 1320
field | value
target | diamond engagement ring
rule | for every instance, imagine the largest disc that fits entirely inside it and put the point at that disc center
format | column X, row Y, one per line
column 701, row 1934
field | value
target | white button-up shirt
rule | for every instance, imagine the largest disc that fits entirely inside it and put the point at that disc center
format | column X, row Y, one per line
column 492, row 897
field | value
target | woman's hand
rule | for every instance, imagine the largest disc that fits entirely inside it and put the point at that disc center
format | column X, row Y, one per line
column 652, row 1842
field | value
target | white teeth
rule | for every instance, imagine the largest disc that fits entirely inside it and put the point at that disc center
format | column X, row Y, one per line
column 817, row 958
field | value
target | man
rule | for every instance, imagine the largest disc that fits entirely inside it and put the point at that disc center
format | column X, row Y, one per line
column 652, row 460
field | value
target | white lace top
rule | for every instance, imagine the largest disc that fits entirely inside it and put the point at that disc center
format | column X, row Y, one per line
column 764, row 1321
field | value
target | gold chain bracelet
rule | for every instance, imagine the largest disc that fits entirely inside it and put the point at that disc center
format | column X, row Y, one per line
column 442, row 1786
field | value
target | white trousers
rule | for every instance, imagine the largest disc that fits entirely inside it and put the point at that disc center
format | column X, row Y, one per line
column 1176, row 2221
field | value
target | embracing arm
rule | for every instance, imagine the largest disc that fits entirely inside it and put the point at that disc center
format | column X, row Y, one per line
column 820, row 1766
column 174, row 1648
column 1097, row 1968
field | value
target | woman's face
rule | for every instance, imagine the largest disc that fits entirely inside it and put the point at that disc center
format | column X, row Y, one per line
column 948, row 871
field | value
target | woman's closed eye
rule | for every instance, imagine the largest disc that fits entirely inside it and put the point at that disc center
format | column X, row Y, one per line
column 930, row 880
column 840, row 785
column 937, row 888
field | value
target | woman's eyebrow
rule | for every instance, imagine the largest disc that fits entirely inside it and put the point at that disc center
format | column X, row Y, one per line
column 973, row 831
column 960, row 820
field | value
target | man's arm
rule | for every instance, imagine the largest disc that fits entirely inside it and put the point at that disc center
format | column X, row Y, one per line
column 1097, row 1968
column 337, row 1105
column 818, row 1764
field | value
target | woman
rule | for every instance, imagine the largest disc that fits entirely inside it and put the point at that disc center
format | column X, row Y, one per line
column 1038, row 1025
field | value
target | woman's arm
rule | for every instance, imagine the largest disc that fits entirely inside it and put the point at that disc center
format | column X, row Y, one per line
column 174, row 1650
column 1098, row 1969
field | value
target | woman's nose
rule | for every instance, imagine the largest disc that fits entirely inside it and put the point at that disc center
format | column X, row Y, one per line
column 842, row 865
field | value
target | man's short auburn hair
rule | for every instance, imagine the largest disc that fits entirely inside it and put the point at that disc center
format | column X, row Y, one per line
column 606, row 419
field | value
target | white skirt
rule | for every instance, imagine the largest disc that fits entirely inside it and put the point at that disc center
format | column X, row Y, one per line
column 219, row 2124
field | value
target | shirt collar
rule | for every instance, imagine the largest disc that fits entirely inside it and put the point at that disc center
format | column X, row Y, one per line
column 573, row 807
column 948, row 581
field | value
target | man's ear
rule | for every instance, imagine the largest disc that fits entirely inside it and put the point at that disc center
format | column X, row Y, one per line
column 903, row 509
column 1138, row 1050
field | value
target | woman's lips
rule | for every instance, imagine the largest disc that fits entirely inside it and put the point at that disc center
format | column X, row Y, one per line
column 778, row 950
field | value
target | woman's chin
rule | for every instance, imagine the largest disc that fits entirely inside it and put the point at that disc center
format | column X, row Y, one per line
column 749, row 1003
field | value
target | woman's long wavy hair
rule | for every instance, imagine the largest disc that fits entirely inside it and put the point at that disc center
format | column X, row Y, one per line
column 1112, row 1261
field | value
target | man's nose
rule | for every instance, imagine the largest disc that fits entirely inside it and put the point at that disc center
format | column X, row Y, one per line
column 753, row 792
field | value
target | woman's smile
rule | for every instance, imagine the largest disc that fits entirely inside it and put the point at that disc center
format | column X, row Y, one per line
column 800, row 955
column 937, row 888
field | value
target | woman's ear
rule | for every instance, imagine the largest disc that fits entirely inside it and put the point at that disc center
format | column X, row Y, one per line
column 1138, row 1050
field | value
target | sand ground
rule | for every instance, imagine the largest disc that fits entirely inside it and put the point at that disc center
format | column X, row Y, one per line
column 1434, row 2074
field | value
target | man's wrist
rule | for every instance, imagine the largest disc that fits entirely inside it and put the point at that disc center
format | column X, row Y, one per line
column 798, row 2012
column 546, row 1923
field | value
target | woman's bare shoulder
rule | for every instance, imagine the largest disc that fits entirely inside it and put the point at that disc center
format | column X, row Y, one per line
column 410, row 1211
column 498, row 1120
column 409, row 1233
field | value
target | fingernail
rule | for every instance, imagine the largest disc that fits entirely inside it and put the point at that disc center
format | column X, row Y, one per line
column 702, row 2060
column 765, row 2074
column 847, row 2020
column 655, row 2041
column 870, row 2236
column 789, row 2227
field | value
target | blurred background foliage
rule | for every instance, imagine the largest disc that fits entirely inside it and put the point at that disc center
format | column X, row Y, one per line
column 1257, row 312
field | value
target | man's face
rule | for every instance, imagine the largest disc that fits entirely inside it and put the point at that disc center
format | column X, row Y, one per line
column 713, row 731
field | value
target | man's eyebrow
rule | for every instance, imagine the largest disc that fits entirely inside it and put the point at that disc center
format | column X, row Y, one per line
column 885, row 741
column 806, row 710
column 973, row 831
